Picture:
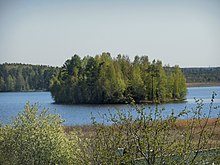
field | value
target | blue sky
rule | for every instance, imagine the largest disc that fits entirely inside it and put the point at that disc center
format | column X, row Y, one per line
column 51, row 31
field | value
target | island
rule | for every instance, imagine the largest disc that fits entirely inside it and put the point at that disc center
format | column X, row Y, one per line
column 106, row 80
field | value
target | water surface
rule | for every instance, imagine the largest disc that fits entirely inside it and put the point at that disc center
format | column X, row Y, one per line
column 11, row 103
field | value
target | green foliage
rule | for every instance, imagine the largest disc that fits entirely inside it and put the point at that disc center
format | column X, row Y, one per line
column 37, row 137
column 202, row 75
column 143, row 137
column 22, row 77
column 150, row 138
column 103, row 79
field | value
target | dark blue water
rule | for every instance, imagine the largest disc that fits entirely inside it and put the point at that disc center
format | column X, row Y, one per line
column 11, row 103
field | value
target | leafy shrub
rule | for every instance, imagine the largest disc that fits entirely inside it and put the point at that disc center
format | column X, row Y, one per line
column 37, row 137
column 151, row 138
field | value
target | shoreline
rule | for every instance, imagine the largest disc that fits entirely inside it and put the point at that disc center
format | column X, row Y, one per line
column 194, row 84
column 26, row 91
column 202, row 84
column 179, row 123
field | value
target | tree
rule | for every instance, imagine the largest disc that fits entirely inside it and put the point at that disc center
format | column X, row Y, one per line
column 161, row 81
column 153, row 73
column 125, row 65
column 120, row 84
column 137, row 84
column 10, row 83
column 92, row 75
column 2, row 84
column 179, row 86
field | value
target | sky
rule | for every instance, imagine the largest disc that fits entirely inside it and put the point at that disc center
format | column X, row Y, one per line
column 48, row 32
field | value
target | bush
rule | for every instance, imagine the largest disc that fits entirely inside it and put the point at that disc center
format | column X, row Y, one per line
column 149, row 138
column 37, row 137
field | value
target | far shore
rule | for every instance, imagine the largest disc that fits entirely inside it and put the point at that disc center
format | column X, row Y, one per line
column 202, row 84
column 196, row 84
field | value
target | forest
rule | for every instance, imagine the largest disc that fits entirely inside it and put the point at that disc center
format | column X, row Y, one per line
column 103, row 79
column 202, row 75
column 118, row 78
column 25, row 77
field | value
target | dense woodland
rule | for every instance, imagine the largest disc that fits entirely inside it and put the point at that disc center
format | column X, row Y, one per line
column 118, row 78
column 202, row 75
column 103, row 79
column 22, row 77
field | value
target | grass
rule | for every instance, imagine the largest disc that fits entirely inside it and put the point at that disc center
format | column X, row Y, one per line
column 87, row 131
column 182, row 137
column 212, row 124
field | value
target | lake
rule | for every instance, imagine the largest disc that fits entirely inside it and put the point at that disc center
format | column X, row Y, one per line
column 11, row 103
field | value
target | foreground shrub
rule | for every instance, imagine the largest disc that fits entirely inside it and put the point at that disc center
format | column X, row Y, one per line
column 37, row 137
column 143, row 137
column 150, row 138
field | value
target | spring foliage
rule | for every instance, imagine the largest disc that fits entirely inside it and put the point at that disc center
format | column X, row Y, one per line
column 103, row 79
column 143, row 137
column 37, row 137
column 150, row 138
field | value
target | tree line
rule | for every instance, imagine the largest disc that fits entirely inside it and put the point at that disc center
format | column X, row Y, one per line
column 202, row 75
column 25, row 77
column 103, row 79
